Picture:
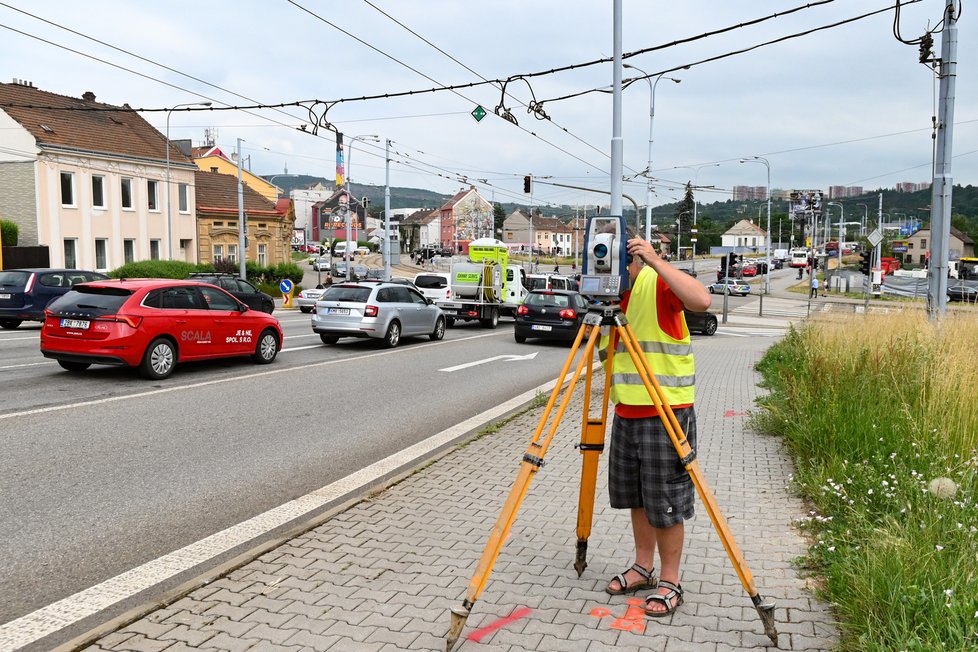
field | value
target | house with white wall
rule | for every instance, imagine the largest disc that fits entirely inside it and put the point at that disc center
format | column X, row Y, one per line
column 90, row 181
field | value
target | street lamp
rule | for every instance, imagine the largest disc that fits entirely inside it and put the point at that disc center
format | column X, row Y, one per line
column 842, row 219
column 679, row 235
column 648, row 172
column 865, row 222
column 169, row 225
column 374, row 138
column 272, row 178
column 767, row 267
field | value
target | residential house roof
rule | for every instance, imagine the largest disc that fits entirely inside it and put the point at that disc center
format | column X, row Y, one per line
column 960, row 235
column 218, row 192
column 84, row 124
column 424, row 216
column 459, row 196
column 745, row 227
column 209, row 150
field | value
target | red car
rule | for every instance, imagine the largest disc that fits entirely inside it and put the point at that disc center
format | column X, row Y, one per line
column 152, row 324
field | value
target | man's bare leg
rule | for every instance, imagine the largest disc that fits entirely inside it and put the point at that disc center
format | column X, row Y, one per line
column 644, row 535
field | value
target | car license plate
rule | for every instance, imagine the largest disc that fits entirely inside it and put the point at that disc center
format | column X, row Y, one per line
column 540, row 327
column 4, row 296
column 338, row 311
column 75, row 323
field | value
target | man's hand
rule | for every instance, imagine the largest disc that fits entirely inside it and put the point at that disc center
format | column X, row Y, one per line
column 639, row 248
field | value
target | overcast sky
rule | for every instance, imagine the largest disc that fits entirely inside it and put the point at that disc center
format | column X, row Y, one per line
column 848, row 105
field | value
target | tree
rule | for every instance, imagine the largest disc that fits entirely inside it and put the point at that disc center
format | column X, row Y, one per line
column 498, row 216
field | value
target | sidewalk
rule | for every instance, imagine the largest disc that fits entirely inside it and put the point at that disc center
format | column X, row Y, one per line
column 382, row 575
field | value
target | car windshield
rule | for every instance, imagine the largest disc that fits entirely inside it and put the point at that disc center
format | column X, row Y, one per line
column 430, row 282
column 14, row 278
column 547, row 299
column 535, row 283
column 350, row 293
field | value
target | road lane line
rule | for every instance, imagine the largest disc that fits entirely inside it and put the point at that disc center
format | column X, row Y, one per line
column 219, row 381
column 65, row 612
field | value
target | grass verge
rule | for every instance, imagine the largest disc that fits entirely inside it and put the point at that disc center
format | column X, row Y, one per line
column 881, row 416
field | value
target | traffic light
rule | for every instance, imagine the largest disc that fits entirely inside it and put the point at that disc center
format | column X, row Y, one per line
column 526, row 184
column 864, row 264
column 723, row 264
column 733, row 259
column 364, row 202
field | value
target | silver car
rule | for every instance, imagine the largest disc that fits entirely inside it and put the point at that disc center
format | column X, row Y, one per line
column 306, row 301
column 381, row 310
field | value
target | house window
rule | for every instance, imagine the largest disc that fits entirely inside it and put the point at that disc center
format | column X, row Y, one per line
column 262, row 254
column 98, row 191
column 233, row 253
column 923, row 259
column 125, row 185
column 218, row 223
column 129, row 251
column 152, row 201
column 67, row 189
column 154, row 249
column 101, row 259
column 923, row 243
column 71, row 253
column 184, row 192
column 218, row 253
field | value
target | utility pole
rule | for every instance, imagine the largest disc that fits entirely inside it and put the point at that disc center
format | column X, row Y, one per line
column 242, row 226
column 940, row 212
column 387, row 211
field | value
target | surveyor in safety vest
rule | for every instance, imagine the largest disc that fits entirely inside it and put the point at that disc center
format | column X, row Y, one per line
column 645, row 473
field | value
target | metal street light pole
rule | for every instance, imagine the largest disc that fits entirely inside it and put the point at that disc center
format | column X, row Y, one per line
column 169, row 224
column 679, row 235
column 767, row 267
column 842, row 219
column 865, row 222
column 387, row 210
column 648, row 172
column 349, row 198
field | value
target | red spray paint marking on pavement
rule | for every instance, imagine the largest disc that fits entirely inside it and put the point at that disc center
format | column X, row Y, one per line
column 481, row 633
column 632, row 621
column 731, row 413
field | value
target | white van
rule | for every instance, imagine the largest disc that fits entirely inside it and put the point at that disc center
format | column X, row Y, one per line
column 549, row 282
column 340, row 248
column 436, row 286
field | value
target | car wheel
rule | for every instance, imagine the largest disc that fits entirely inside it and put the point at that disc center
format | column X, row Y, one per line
column 393, row 335
column 519, row 339
column 449, row 322
column 493, row 319
column 329, row 339
column 712, row 291
column 711, row 326
column 159, row 360
column 439, row 331
column 9, row 324
column 73, row 366
column 267, row 347
column 306, row 309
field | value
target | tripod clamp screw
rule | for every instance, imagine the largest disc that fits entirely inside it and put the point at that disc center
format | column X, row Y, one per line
column 534, row 460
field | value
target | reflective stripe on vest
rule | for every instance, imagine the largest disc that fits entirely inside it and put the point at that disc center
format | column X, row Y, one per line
column 671, row 360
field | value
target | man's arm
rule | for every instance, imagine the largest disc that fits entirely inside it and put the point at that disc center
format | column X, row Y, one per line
column 691, row 292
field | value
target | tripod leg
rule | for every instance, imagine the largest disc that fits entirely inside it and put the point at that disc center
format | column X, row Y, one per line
column 592, row 445
column 765, row 607
column 532, row 461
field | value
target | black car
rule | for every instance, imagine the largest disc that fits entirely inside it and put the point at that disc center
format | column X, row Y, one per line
column 25, row 293
column 242, row 290
column 550, row 315
column 701, row 322
column 966, row 293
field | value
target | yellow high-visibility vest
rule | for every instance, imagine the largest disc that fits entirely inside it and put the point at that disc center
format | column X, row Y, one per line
column 671, row 360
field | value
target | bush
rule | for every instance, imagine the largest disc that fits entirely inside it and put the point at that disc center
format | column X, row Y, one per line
column 156, row 269
column 9, row 232
column 260, row 276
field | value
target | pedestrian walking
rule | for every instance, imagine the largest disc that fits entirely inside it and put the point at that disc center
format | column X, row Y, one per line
column 814, row 291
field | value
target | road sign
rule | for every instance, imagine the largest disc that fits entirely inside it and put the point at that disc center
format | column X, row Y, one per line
column 875, row 237
column 478, row 113
column 286, row 286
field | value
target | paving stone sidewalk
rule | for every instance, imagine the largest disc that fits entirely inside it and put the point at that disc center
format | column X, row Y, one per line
column 383, row 575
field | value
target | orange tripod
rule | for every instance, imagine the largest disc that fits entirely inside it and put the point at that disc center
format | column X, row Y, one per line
column 591, row 446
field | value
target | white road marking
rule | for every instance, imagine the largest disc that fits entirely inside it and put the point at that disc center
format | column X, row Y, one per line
column 219, row 381
column 68, row 611
column 509, row 358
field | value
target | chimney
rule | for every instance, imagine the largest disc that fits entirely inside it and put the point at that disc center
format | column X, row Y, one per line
column 88, row 96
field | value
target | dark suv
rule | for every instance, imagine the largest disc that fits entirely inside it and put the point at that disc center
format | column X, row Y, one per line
column 242, row 290
column 25, row 293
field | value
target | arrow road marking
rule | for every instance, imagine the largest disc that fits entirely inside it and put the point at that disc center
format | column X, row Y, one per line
column 492, row 359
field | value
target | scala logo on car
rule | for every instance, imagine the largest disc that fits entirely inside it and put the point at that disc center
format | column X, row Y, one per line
column 200, row 337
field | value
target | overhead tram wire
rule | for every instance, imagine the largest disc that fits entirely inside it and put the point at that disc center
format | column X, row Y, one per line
column 501, row 86
column 726, row 55
column 435, row 81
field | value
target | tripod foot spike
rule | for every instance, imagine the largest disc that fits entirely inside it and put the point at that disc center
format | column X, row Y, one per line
column 765, row 609
column 580, row 561
column 459, row 616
